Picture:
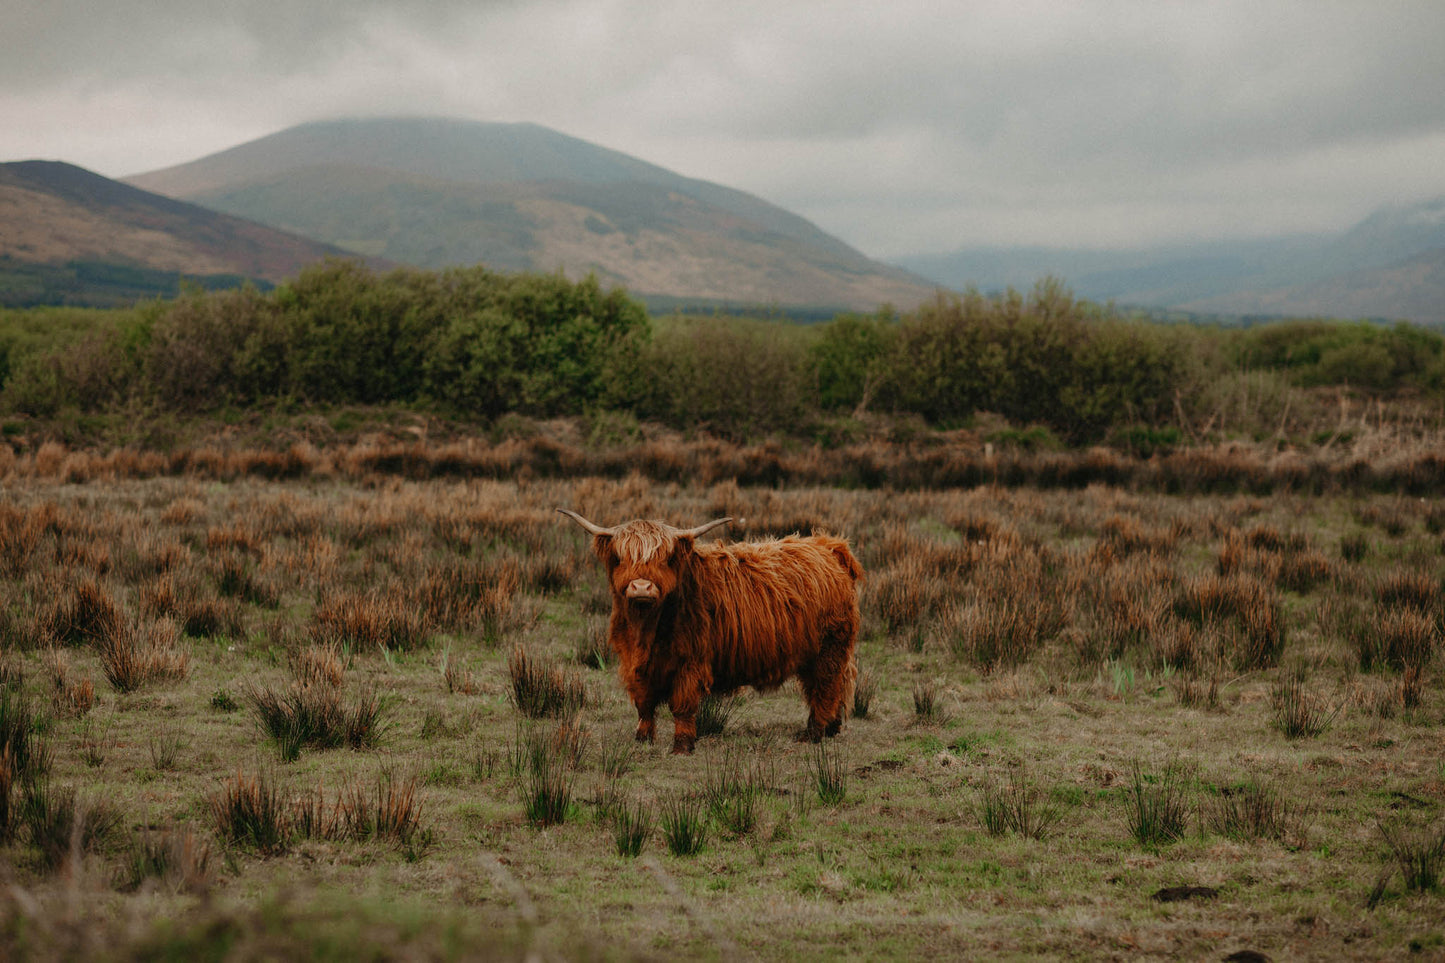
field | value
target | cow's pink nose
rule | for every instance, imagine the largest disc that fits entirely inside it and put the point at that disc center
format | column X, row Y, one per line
column 642, row 590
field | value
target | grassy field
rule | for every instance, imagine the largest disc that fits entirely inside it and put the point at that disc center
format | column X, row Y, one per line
column 283, row 718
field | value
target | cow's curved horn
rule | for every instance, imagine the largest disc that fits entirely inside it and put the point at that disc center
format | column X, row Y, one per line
column 702, row 529
column 592, row 527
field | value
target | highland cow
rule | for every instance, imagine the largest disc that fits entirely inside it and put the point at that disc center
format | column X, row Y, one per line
column 689, row 620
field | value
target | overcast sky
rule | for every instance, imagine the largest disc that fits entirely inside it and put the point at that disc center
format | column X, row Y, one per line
column 900, row 126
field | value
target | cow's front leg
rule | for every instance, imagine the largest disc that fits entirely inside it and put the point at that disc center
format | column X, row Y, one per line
column 644, row 698
column 646, row 721
column 687, row 692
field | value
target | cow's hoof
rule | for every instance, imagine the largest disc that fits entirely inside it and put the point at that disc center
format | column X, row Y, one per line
column 681, row 748
column 810, row 735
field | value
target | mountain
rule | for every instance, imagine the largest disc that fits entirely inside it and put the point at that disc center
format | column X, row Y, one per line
column 436, row 192
column 1388, row 266
column 1412, row 290
column 70, row 235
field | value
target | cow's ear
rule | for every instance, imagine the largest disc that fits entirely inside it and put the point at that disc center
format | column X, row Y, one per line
column 602, row 548
column 682, row 548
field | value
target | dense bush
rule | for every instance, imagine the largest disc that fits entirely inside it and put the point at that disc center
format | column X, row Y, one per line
column 479, row 344
column 1359, row 354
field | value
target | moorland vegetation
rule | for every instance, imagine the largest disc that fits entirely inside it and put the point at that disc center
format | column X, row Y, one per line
column 328, row 675
column 477, row 345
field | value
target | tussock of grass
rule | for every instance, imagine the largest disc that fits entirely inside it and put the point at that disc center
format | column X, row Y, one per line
column 864, row 692
column 927, row 707
column 315, row 715
column 732, row 791
column 829, row 776
column 631, row 825
column 683, row 825
column 713, row 713
column 248, row 812
column 236, row 577
column 391, row 812
column 319, row 665
column 1298, row 712
column 618, row 757
column 165, row 749
column 1408, row 589
column 369, row 620
column 1398, row 638
column 540, row 690
column 1354, row 547
column 456, row 676
column 136, row 654
column 548, row 792
column 58, row 822
column 68, row 697
column 594, row 651
column 20, row 742
column 1417, row 849
column 1156, row 806
column 1007, row 631
column 1017, row 805
column 1257, row 811
column 88, row 612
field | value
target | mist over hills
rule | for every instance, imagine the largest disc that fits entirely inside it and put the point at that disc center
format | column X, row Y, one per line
column 436, row 192
column 1389, row 266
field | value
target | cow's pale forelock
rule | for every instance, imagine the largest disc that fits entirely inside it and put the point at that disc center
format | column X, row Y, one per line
column 642, row 541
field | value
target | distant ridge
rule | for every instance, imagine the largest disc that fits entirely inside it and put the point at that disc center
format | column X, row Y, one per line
column 436, row 192
column 54, row 214
column 1389, row 266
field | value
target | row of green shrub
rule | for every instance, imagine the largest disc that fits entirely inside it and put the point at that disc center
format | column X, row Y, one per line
column 478, row 343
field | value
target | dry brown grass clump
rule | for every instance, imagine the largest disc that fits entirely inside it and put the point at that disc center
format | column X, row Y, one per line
column 235, row 576
column 85, row 612
column 142, row 652
column 1409, row 589
column 906, row 595
column 466, row 594
column 1129, row 600
column 1123, row 535
column 391, row 812
column 318, row 665
column 1403, row 639
column 1242, row 604
column 540, row 689
column 369, row 620
column 1285, row 560
column 20, row 533
column 179, row 595
column 248, row 811
column 69, row 697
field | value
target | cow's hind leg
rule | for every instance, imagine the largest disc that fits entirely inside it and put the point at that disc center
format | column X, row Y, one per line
column 825, row 711
column 845, row 699
column 828, row 688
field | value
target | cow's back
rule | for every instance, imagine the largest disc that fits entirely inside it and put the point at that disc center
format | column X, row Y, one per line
column 762, row 610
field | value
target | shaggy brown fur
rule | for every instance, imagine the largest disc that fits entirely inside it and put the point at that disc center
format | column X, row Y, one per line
column 689, row 619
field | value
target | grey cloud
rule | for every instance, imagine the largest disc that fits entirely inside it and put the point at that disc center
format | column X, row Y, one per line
column 900, row 126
